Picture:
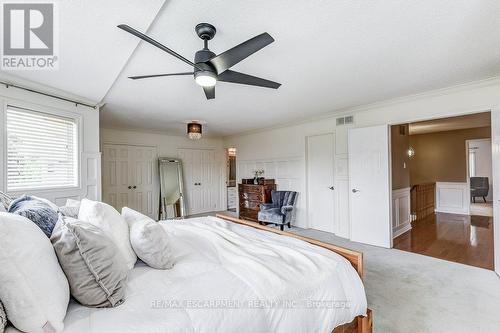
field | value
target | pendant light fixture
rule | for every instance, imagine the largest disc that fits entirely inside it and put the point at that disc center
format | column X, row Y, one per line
column 194, row 130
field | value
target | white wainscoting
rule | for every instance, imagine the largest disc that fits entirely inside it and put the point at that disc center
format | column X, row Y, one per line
column 452, row 198
column 400, row 211
column 287, row 173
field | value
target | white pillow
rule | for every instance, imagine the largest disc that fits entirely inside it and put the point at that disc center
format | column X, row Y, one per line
column 149, row 240
column 112, row 223
column 73, row 203
column 33, row 287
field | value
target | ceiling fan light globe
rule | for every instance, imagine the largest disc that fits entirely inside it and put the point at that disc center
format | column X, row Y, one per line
column 206, row 79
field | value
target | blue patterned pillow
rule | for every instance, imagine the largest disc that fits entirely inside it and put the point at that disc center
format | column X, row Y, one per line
column 36, row 210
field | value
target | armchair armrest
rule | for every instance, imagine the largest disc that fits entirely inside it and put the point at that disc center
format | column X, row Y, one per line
column 286, row 209
column 265, row 206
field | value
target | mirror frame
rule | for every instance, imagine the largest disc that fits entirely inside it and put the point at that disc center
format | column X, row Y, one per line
column 181, row 186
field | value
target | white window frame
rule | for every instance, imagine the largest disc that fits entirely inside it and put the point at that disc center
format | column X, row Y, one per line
column 77, row 118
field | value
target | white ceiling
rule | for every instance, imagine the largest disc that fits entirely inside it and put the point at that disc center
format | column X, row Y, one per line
column 328, row 55
column 92, row 51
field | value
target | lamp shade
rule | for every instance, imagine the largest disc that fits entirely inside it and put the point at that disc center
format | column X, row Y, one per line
column 194, row 131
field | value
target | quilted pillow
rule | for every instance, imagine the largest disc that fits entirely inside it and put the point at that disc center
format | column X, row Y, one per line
column 112, row 223
column 33, row 288
column 96, row 271
column 149, row 240
column 37, row 210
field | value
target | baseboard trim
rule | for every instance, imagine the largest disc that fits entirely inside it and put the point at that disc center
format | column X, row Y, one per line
column 401, row 230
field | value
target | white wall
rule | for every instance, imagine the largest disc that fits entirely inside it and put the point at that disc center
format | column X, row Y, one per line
column 288, row 142
column 88, row 118
column 166, row 146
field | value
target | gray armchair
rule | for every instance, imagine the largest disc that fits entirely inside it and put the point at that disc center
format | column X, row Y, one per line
column 479, row 187
column 280, row 211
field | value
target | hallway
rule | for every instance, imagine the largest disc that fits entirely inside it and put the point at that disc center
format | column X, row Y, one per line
column 459, row 238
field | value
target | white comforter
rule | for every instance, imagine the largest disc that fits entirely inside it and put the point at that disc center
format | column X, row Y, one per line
column 232, row 278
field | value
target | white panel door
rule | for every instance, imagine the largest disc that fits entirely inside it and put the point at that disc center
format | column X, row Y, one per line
column 370, row 199
column 129, row 177
column 320, row 181
column 144, row 166
column 201, row 179
column 116, row 176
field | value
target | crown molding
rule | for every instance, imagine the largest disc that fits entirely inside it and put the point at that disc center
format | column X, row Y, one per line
column 492, row 81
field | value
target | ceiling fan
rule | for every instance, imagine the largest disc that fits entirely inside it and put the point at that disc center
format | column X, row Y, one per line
column 208, row 68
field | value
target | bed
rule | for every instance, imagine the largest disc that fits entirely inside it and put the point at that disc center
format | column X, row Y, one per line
column 231, row 277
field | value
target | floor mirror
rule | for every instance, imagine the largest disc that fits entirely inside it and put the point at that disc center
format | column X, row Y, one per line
column 172, row 205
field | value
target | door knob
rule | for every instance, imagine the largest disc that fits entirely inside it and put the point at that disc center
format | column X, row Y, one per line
column 134, row 186
column 332, row 188
column 129, row 187
column 354, row 190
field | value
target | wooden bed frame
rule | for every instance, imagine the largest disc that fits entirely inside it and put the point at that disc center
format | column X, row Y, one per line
column 358, row 325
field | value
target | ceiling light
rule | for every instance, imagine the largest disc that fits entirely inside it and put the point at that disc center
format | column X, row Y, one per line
column 205, row 78
column 194, row 131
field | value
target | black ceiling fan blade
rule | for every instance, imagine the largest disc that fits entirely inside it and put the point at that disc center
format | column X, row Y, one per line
column 155, row 43
column 209, row 92
column 233, row 56
column 158, row 75
column 241, row 78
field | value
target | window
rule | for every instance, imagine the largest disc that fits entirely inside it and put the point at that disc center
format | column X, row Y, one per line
column 41, row 150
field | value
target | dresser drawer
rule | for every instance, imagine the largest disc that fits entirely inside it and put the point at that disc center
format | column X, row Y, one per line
column 252, row 196
column 248, row 214
column 251, row 188
column 251, row 205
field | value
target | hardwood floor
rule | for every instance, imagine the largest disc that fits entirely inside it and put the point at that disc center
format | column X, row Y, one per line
column 459, row 238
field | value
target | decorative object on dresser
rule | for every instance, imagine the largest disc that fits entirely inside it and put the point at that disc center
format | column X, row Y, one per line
column 280, row 211
column 251, row 196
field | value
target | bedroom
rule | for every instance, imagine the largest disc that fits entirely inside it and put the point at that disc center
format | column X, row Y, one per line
column 348, row 70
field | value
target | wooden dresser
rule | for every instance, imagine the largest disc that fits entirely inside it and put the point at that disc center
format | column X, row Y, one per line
column 250, row 198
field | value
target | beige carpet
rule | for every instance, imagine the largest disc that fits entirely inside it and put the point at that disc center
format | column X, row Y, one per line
column 411, row 293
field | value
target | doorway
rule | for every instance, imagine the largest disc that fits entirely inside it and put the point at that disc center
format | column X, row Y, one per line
column 231, row 179
column 320, row 182
column 441, row 167
column 480, row 176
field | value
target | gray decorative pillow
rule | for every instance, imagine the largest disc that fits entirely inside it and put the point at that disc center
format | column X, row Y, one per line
column 95, row 268
column 37, row 210
column 3, row 318
column 5, row 200
column 69, row 211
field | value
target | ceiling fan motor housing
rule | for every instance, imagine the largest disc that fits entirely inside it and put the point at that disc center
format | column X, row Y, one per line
column 201, row 60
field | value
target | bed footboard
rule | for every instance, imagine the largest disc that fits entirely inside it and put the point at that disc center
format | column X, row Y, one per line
column 361, row 324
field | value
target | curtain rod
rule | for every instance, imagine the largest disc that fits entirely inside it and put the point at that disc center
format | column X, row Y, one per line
column 7, row 85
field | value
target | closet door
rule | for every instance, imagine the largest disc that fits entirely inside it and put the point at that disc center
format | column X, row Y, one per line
column 116, row 176
column 201, row 179
column 129, row 178
column 143, row 167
